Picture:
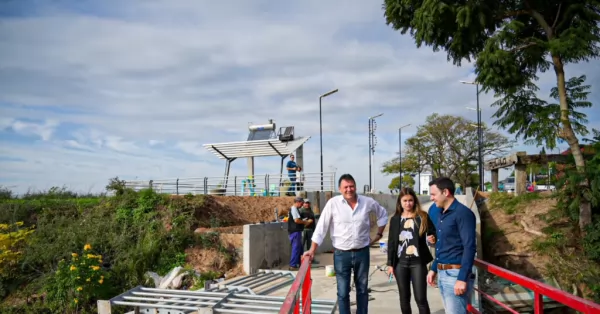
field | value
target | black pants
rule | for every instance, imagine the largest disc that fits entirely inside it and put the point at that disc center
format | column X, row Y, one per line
column 404, row 272
column 306, row 238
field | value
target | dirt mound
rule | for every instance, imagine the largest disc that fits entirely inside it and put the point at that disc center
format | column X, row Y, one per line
column 226, row 211
column 509, row 237
column 225, row 216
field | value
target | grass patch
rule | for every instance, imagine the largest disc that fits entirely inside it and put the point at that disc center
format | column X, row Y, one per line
column 129, row 231
column 510, row 203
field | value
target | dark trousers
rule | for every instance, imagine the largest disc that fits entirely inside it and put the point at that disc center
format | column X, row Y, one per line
column 344, row 264
column 306, row 238
column 415, row 271
column 296, row 241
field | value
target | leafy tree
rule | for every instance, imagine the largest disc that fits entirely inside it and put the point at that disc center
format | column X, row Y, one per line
column 596, row 137
column 446, row 145
column 511, row 42
column 407, row 182
column 537, row 121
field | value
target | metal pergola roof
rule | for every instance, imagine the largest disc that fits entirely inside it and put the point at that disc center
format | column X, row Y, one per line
column 261, row 148
column 248, row 294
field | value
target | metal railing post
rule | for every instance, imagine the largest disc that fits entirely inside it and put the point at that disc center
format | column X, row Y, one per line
column 177, row 186
column 205, row 185
column 235, row 186
column 267, row 187
column 150, row 184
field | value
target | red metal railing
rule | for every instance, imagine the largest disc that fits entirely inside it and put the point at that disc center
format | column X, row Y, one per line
column 303, row 280
column 539, row 291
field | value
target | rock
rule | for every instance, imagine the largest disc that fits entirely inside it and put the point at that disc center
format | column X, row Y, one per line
column 166, row 281
column 177, row 281
column 156, row 279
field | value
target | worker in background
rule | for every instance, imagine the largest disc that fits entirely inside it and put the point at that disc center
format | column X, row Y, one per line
column 295, row 228
column 291, row 167
column 306, row 213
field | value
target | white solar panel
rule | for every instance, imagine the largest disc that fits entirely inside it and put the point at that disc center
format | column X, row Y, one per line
column 259, row 135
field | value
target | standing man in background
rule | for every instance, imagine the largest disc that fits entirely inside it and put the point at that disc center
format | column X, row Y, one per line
column 307, row 213
column 455, row 248
column 292, row 167
column 347, row 216
column 295, row 228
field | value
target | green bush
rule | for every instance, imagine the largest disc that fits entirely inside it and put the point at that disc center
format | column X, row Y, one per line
column 134, row 232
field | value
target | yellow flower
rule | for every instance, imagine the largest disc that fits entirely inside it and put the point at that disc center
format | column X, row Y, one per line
column 87, row 280
column 79, row 288
column 95, row 267
column 87, row 247
column 75, row 300
column 100, row 281
column 91, row 256
column 74, row 254
column 72, row 268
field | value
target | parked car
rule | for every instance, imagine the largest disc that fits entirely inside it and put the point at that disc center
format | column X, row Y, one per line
column 509, row 184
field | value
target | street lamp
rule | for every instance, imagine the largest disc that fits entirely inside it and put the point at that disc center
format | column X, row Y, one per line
column 372, row 139
column 400, row 155
column 321, row 130
column 479, row 134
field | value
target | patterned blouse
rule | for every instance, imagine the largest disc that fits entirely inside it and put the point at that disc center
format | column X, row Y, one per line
column 408, row 242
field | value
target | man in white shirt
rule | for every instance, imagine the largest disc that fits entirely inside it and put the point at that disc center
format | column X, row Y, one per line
column 348, row 217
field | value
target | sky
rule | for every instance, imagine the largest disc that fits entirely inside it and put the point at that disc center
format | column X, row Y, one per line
column 90, row 90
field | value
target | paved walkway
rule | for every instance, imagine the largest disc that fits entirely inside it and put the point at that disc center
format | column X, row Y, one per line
column 384, row 296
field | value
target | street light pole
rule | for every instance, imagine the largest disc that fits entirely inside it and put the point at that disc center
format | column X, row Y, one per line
column 372, row 147
column 400, row 156
column 480, row 143
column 321, row 130
column 479, row 136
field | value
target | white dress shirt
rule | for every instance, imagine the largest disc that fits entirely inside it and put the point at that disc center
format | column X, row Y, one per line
column 350, row 229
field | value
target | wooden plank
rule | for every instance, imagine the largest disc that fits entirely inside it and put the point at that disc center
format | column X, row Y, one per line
column 544, row 159
column 502, row 162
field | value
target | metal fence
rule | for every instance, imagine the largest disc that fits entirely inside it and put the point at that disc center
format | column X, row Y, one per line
column 265, row 184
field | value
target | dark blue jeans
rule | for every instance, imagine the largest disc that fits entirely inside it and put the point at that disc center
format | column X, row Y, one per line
column 296, row 241
column 344, row 264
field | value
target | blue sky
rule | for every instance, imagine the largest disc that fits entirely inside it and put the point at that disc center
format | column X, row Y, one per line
column 92, row 89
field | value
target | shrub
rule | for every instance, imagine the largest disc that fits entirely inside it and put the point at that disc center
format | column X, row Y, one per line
column 130, row 231
column 78, row 283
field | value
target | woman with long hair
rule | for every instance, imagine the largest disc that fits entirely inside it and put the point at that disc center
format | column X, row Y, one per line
column 408, row 254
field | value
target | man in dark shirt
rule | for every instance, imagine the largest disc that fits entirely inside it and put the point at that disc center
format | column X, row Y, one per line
column 308, row 214
column 292, row 167
column 434, row 213
column 455, row 248
column 295, row 228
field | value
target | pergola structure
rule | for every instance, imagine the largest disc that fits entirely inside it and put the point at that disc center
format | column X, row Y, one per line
column 262, row 141
column 520, row 160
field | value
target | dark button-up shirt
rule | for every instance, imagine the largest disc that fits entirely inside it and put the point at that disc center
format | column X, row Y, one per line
column 456, row 239
column 434, row 213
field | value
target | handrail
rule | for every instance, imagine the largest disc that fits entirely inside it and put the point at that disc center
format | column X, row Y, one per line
column 539, row 289
column 257, row 185
column 303, row 280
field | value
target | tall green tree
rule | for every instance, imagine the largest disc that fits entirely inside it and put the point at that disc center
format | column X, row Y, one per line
column 407, row 182
column 535, row 120
column 511, row 42
column 447, row 146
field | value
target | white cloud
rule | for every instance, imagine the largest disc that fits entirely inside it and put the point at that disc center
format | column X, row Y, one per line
column 135, row 88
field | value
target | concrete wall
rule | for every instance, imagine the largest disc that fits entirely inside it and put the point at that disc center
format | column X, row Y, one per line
column 267, row 246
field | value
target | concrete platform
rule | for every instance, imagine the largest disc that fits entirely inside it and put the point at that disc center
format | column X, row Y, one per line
column 384, row 296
